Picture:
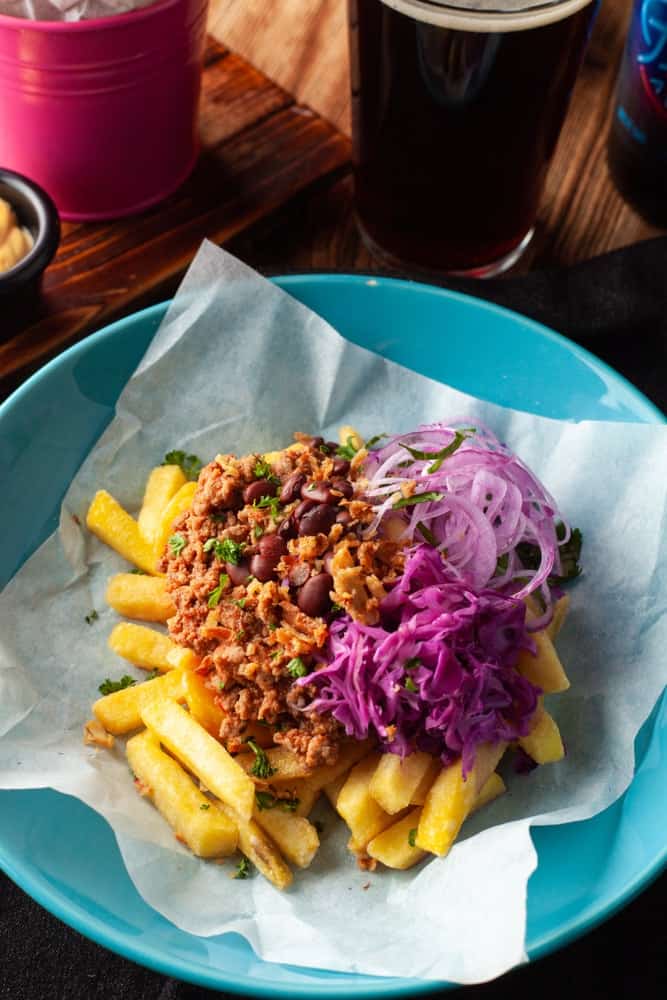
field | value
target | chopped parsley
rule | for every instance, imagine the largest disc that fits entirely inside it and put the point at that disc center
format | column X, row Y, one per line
column 263, row 470
column 410, row 685
column 417, row 498
column 272, row 504
column 205, row 805
column 242, row 868
column 374, row 440
column 176, row 544
column 412, row 663
column 569, row 552
column 138, row 572
column 215, row 595
column 108, row 687
column 153, row 674
column 226, row 550
column 348, row 449
column 257, row 531
column 190, row 465
column 412, row 837
column 240, row 603
column 267, row 801
column 336, row 609
column 427, row 534
column 261, row 768
column 440, row 456
column 297, row 668
column 92, row 617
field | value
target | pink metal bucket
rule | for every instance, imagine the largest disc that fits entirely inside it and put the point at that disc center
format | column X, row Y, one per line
column 103, row 113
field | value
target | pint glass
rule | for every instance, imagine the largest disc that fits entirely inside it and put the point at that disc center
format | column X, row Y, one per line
column 456, row 111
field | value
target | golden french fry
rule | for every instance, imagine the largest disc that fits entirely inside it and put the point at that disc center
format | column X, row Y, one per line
column 307, row 796
column 395, row 847
column 201, row 754
column 350, row 753
column 561, row 608
column 144, row 647
column 424, row 786
column 332, row 790
column 451, row 798
column 294, row 835
column 197, row 821
column 201, row 704
column 115, row 527
column 493, row 788
column 163, row 482
column 396, row 779
column 120, row 712
column 545, row 670
column 260, row 850
column 179, row 503
column 357, row 806
column 182, row 658
column 142, row 597
column 285, row 765
column 273, row 456
column 543, row 743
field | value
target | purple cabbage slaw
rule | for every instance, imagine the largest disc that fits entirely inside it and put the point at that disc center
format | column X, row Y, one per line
column 481, row 504
column 437, row 674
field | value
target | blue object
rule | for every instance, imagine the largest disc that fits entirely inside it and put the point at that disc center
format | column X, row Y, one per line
column 65, row 856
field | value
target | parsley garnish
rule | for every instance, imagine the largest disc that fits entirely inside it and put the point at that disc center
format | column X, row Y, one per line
column 176, row 544
column 190, row 465
column 205, row 805
column 257, row 531
column 412, row 663
column 374, row 440
column 426, row 534
column 108, row 687
column 263, row 470
column 138, row 572
column 347, row 450
column 297, row 668
column 410, row 685
column 92, row 617
column 267, row 801
column 417, row 498
column 336, row 609
column 226, row 550
column 411, row 836
column 240, row 603
column 273, row 504
column 570, row 554
column 261, row 768
column 153, row 674
column 215, row 595
column 440, row 456
column 242, row 868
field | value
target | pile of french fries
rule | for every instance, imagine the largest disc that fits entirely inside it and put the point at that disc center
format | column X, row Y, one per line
column 397, row 810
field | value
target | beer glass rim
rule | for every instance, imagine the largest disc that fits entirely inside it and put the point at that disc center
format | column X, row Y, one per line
column 488, row 15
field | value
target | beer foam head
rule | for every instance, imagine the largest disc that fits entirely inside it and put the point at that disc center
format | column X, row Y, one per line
column 488, row 15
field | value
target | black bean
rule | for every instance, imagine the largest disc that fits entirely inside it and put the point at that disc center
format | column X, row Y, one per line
column 343, row 486
column 318, row 519
column 299, row 574
column 343, row 516
column 260, row 488
column 292, row 487
column 272, row 546
column 262, row 567
column 318, row 492
column 314, row 597
column 237, row 574
column 302, row 508
column 287, row 529
column 341, row 466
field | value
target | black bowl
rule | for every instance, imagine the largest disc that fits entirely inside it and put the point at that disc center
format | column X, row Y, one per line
column 35, row 210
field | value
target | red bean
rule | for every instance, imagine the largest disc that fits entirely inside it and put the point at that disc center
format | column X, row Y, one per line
column 292, row 487
column 318, row 519
column 343, row 486
column 260, row 488
column 299, row 574
column 314, row 597
column 318, row 492
column 237, row 574
column 331, row 447
column 302, row 509
column 287, row 529
column 343, row 516
column 328, row 561
column 341, row 466
column 262, row 567
column 272, row 546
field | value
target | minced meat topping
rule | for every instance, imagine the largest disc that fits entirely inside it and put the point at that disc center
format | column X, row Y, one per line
column 270, row 552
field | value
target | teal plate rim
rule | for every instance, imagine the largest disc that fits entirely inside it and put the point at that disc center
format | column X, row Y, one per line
column 77, row 917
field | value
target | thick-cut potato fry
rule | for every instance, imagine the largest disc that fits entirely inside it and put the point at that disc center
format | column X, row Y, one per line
column 142, row 597
column 201, row 754
column 120, row 712
column 273, row 456
column 196, row 820
column 294, row 835
column 543, row 743
column 162, row 484
column 201, row 704
column 451, row 798
column 179, row 503
column 396, row 779
column 260, row 850
column 332, row 790
column 115, row 527
column 545, row 669
column 424, row 786
column 357, row 806
column 182, row 658
column 285, row 764
column 493, row 788
column 144, row 647
column 561, row 608
column 307, row 796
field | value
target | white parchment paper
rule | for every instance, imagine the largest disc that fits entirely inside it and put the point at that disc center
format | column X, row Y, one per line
column 238, row 365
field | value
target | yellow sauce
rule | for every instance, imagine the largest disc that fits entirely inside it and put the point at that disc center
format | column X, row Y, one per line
column 15, row 242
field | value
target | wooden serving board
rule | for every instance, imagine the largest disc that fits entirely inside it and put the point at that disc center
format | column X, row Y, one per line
column 259, row 149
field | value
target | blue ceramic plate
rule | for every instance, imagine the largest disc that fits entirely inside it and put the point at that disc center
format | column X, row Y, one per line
column 65, row 855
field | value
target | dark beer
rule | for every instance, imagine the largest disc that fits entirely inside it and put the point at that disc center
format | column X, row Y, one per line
column 638, row 138
column 454, row 129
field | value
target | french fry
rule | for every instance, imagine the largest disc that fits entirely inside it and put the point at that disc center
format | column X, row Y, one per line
column 115, row 527
column 179, row 503
column 424, row 787
column 357, row 806
column 201, row 754
column 332, row 790
column 120, row 712
column 286, row 766
column 260, row 850
column 545, row 670
column 543, row 743
column 207, row 831
column 396, row 779
column 307, row 796
column 161, row 485
column 200, row 703
column 294, row 835
column 144, row 647
column 561, row 608
column 451, row 798
column 142, row 597
column 274, row 456
column 182, row 658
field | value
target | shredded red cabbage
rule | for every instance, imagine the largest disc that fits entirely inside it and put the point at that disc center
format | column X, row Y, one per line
column 437, row 674
column 482, row 508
